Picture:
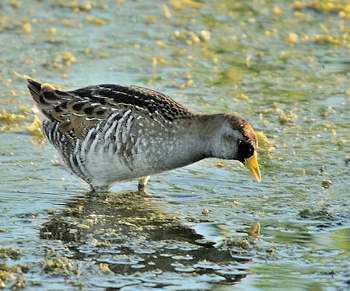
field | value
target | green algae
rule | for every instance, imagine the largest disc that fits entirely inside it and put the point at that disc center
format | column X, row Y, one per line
column 13, row 276
column 59, row 265
column 11, row 253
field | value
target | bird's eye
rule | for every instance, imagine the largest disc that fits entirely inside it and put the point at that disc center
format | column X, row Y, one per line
column 245, row 149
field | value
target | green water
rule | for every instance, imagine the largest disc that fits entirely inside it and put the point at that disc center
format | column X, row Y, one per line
column 212, row 56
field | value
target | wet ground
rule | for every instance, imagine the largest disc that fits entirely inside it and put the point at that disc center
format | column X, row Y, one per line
column 282, row 64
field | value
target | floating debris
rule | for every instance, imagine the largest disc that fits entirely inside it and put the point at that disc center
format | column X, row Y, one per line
column 191, row 37
column 266, row 147
column 166, row 11
column 151, row 19
column 60, row 265
column 286, row 117
column 10, row 117
column 10, row 253
column 51, row 30
column 13, row 276
column 161, row 44
column 104, row 267
column 27, row 27
column 316, row 214
column 243, row 97
column 68, row 58
column 220, row 165
column 10, row 122
column 35, row 128
column 326, row 6
column 18, row 122
column 181, row 4
column 76, row 6
column 327, row 39
column 15, row 3
column 242, row 243
column 205, row 211
column 255, row 230
column 158, row 61
column 326, row 184
column 277, row 11
column 293, row 38
column 205, row 35
column 96, row 20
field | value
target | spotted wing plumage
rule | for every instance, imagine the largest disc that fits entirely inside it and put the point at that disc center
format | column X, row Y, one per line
column 79, row 110
column 111, row 96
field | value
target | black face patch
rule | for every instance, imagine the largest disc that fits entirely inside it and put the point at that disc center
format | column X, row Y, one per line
column 245, row 150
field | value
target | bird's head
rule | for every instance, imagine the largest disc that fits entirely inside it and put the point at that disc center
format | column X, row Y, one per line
column 235, row 139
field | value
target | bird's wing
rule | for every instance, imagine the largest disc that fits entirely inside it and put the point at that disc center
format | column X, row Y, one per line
column 80, row 109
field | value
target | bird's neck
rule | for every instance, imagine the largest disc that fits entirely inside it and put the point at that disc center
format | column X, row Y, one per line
column 187, row 141
column 199, row 132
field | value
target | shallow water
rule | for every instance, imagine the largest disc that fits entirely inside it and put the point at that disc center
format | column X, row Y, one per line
column 284, row 67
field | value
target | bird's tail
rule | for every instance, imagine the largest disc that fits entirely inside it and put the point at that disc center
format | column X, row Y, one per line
column 46, row 98
column 43, row 94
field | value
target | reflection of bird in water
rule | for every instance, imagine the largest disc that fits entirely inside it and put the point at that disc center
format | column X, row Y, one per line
column 132, row 235
column 109, row 133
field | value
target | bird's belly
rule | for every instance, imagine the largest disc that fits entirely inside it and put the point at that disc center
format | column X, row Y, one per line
column 105, row 169
column 105, row 159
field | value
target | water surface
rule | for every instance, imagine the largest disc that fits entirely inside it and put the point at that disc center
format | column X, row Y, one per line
column 284, row 66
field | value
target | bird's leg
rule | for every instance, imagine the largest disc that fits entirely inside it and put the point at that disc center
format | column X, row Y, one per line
column 99, row 189
column 143, row 183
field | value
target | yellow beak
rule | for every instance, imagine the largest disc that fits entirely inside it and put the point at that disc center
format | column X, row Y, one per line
column 253, row 166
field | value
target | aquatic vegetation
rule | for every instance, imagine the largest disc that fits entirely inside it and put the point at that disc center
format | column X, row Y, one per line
column 293, row 38
column 76, row 5
column 166, row 11
column 241, row 243
column 67, row 58
column 11, row 253
column 286, row 117
column 27, row 27
column 266, row 146
column 104, row 267
column 96, row 20
column 10, row 117
column 183, row 4
column 35, row 128
column 15, row 3
column 20, row 122
column 283, row 64
column 325, row 6
column 11, row 122
column 255, row 230
column 60, row 265
column 205, row 211
column 326, row 184
column 316, row 214
column 12, row 276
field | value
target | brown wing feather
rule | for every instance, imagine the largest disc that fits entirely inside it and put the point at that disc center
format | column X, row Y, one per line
column 74, row 114
column 79, row 110
column 113, row 96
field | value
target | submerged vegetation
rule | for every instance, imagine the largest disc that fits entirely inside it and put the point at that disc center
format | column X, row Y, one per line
column 19, row 122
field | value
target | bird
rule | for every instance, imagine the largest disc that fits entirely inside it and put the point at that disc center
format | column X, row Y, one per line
column 111, row 133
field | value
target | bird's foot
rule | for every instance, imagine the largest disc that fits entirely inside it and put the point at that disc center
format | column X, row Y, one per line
column 143, row 184
column 99, row 189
